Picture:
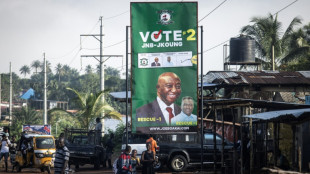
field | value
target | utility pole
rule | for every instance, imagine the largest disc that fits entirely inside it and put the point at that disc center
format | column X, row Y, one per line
column 0, row 98
column 100, row 60
column 11, row 94
column 45, row 96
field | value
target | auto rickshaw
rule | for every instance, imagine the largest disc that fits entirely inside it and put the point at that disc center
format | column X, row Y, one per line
column 35, row 150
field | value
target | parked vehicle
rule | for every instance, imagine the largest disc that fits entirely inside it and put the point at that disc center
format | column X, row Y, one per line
column 35, row 150
column 84, row 148
column 138, row 142
column 180, row 150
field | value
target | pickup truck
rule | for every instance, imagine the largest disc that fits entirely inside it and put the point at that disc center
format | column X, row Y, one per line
column 181, row 150
column 84, row 148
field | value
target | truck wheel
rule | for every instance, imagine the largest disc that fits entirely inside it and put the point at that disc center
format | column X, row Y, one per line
column 158, row 165
column 178, row 163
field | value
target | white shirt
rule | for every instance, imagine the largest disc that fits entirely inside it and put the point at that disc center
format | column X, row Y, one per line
column 98, row 127
column 163, row 107
column 5, row 146
column 168, row 64
column 184, row 120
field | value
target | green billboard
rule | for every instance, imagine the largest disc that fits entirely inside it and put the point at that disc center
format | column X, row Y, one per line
column 164, row 67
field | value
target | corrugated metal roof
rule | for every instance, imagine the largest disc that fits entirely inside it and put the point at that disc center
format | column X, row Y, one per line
column 259, row 77
column 281, row 115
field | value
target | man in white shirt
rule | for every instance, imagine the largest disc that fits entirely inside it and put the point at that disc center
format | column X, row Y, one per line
column 169, row 63
column 185, row 118
column 160, row 111
column 98, row 130
column 5, row 144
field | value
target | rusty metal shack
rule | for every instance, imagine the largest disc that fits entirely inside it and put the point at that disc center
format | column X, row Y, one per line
column 229, row 95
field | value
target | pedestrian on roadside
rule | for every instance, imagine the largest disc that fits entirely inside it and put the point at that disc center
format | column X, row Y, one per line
column 5, row 144
column 12, row 150
column 124, row 162
column 6, row 132
column 98, row 130
column 147, row 159
column 109, row 151
column 153, row 143
column 135, row 161
column 62, row 158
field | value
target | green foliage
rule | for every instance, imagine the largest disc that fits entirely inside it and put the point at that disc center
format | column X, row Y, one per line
column 118, row 134
column 268, row 34
column 61, row 119
column 91, row 106
column 25, row 116
column 24, row 70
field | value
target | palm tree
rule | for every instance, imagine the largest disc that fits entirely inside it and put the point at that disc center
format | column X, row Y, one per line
column 59, row 70
column 25, row 70
column 48, row 66
column 267, row 33
column 25, row 115
column 91, row 107
column 88, row 69
column 35, row 64
column 298, row 57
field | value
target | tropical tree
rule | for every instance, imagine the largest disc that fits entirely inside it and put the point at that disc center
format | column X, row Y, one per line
column 298, row 56
column 91, row 106
column 24, row 70
column 88, row 69
column 48, row 66
column 35, row 64
column 59, row 71
column 25, row 115
column 267, row 33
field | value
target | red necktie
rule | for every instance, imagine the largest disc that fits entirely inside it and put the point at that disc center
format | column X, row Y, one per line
column 169, row 109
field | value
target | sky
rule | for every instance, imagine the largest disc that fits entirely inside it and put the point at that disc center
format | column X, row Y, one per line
column 33, row 27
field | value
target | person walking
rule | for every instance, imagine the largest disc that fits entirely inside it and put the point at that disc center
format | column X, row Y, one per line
column 12, row 150
column 62, row 158
column 135, row 161
column 153, row 143
column 147, row 159
column 124, row 162
column 109, row 151
column 5, row 144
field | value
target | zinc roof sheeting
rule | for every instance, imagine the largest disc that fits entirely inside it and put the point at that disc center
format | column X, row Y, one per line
column 259, row 78
column 281, row 115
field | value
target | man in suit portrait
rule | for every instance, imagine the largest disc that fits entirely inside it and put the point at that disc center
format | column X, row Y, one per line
column 162, row 109
column 155, row 63
column 185, row 118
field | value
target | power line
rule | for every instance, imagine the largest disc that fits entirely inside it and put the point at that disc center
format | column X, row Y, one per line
column 115, row 44
column 285, row 7
column 216, row 46
column 212, row 11
column 228, row 39
column 116, row 15
column 77, row 46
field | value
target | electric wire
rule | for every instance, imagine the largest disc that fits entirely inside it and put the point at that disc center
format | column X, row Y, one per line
column 212, row 11
column 285, row 7
column 229, row 39
column 116, row 15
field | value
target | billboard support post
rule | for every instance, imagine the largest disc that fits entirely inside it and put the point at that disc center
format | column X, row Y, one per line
column 127, row 84
column 201, row 94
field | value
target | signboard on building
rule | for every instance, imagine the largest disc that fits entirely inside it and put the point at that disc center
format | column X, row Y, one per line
column 164, row 67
